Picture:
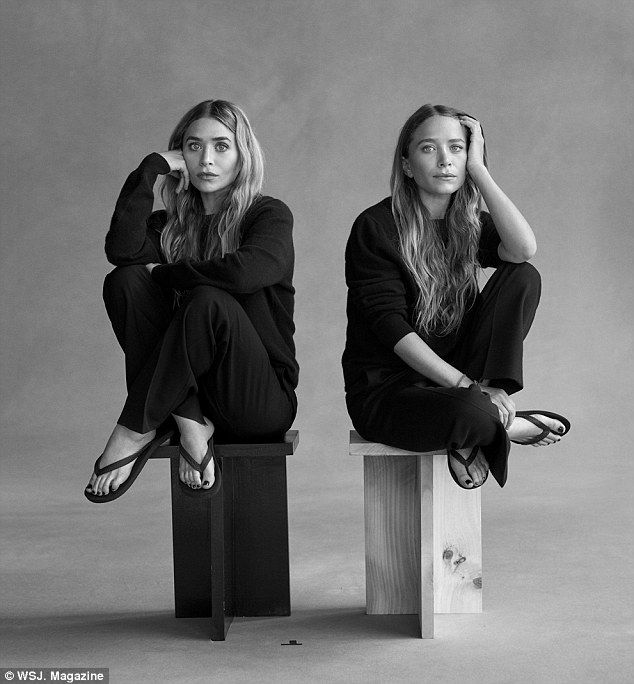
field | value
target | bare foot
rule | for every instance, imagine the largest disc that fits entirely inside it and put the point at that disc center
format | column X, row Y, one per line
column 522, row 430
column 121, row 443
column 195, row 438
column 475, row 474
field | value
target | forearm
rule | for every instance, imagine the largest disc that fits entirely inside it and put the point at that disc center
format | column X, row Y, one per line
column 518, row 242
column 418, row 355
column 126, row 240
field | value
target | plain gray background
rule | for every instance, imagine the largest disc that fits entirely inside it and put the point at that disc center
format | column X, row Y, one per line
column 89, row 88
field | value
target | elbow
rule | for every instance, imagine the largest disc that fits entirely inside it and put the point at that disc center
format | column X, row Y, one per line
column 530, row 246
column 520, row 254
column 113, row 257
column 530, row 251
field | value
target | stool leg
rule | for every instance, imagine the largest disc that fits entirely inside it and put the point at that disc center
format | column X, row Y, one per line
column 457, row 537
column 392, row 535
column 202, row 554
column 426, row 512
column 260, row 537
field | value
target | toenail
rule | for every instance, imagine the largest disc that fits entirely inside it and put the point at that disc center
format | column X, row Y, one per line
column 205, row 483
column 468, row 482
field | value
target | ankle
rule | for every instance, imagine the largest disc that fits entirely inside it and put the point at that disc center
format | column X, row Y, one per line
column 122, row 432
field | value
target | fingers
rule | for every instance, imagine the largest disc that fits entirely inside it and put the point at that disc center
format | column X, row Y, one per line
column 178, row 168
column 473, row 125
column 469, row 121
column 503, row 412
column 183, row 182
column 510, row 407
column 504, row 404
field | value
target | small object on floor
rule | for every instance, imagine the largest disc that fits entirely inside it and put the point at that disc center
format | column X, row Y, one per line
column 201, row 492
column 292, row 642
column 466, row 462
column 545, row 430
column 140, row 458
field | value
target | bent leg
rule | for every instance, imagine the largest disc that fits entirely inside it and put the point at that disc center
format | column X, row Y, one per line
column 212, row 353
column 494, row 330
column 140, row 310
column 430, row 418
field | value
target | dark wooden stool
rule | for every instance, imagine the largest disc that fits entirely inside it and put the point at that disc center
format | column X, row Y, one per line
column 231, row 551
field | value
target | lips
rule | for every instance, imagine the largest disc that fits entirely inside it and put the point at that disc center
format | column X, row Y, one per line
column 207, row 176
column 445, row 176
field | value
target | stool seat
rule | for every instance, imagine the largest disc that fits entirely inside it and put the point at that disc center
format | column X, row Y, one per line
column 231, row 550
column 423, row 539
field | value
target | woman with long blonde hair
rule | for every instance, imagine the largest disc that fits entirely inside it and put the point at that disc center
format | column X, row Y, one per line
column 201, row 301
column 430, row 360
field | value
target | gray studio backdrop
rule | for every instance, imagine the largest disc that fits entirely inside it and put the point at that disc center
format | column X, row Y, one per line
column 90, row 87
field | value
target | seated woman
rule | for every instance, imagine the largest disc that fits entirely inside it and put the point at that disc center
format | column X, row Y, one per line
column 430, row 362
column 201, row 302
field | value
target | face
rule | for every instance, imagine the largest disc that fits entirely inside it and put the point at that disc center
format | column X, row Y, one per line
column 211, row 155
column 437, row 158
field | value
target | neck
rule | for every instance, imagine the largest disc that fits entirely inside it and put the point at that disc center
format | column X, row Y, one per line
column 436, row 205
column 212, row 201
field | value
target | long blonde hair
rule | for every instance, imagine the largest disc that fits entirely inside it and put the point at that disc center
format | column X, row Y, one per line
column 444, row 268
column 188, row 232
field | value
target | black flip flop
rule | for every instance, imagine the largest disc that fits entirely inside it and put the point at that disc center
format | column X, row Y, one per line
column 466, row 462
column 545, row 430
column 202, row 492
column 140, row 458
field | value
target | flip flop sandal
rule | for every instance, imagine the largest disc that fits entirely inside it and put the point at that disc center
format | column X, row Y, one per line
column 140, row 458
column 201, row 492
column 545, row 430
column 466, row 462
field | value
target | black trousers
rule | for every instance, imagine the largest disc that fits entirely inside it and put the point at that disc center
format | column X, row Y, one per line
column 201, row 358
column 410, row 412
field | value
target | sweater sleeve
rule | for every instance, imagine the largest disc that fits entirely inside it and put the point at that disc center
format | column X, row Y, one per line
column 375, row 281
column 488, row 256
column 127, row 241
column 265, row 256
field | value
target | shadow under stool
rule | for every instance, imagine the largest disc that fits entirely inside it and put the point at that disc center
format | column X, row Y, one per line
column 231, row 550
column 423, row 536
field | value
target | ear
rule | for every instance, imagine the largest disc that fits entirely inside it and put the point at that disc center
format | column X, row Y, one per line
column 406, row 167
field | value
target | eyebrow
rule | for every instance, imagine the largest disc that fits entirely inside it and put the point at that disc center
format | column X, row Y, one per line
column 221, row 137
column 453, row 140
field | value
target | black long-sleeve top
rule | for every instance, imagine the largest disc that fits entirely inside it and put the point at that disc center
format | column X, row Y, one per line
column 382, row 296
column 258, row 274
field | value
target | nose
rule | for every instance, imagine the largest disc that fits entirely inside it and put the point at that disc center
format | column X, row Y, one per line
column 443, row 160
column 206, row 157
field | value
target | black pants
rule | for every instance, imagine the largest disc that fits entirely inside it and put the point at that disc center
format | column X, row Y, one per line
column 408, row 411
column 202, row 358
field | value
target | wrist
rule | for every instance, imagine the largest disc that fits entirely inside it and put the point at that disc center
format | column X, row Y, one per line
column 464, row 381
column 477, row 171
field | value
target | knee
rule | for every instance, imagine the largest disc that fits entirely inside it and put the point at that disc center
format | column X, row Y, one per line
column 125, row 281
column 527, row 276
column 206, row 299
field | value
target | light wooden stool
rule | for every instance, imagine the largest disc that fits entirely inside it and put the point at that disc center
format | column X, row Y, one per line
column 423, row 536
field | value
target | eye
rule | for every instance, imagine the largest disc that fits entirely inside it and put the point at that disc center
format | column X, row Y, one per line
column 222, row 147
column 194, row 146
column 427, row 148
column 456, row 148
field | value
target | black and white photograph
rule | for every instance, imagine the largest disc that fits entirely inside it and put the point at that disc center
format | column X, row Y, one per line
column 317, row 331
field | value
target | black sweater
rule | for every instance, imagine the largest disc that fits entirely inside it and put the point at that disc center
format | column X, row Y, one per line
column 258, row 274
column 382, row 296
